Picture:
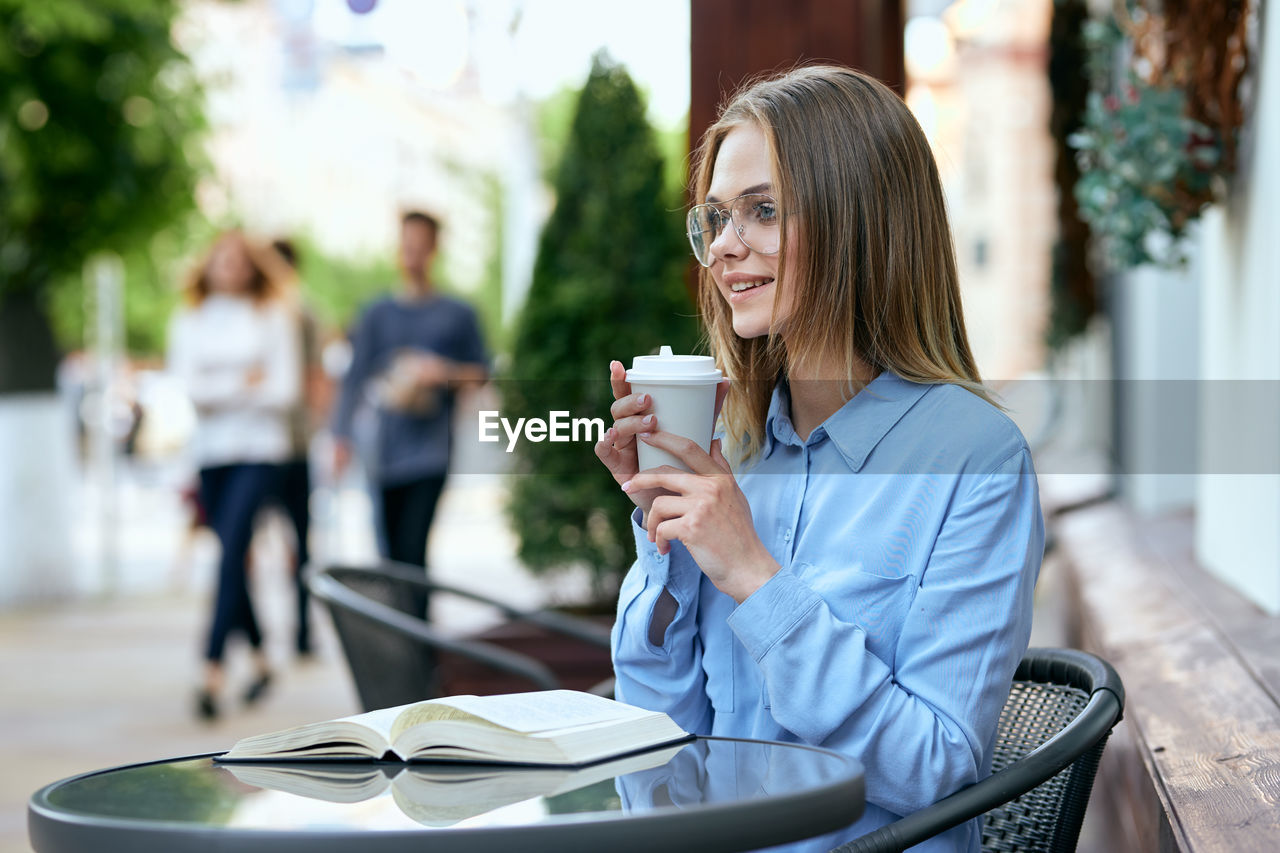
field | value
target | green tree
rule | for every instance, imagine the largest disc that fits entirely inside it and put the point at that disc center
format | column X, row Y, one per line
column 99, row 115
column 608, row 283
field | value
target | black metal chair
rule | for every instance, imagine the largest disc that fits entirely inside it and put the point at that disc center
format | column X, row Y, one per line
column 1054, row 726
column 394, row 652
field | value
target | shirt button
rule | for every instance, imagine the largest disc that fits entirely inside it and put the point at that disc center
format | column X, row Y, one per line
column 786, row 537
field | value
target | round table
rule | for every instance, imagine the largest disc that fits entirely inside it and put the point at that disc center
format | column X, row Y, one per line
column 707, row 794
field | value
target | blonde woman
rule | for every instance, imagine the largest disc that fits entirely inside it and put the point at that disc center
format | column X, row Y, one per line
column 860, row 577
column 235, row 347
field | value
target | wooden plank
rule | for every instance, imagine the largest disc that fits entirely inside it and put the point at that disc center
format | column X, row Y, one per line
column 1207, row 729
column 1248, row 629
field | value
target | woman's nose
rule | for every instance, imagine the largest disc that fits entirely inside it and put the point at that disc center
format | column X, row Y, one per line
column 728, row 244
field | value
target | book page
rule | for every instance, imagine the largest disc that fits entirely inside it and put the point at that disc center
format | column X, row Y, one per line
column 540, row 711
column 382, row 721
column 358, row 734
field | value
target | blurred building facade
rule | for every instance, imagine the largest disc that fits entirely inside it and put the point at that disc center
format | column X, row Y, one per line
column 1197, row 359
column 318, row 128
column 1001, row 184
column 1238, row 509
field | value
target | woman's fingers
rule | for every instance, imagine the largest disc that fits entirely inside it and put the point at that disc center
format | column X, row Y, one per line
column 686, row 450
column 717, row 456
column 618, row 380
column 662, row 522
column 618, row 455
column 631, row 404
column 607, row 453
column 664, row 477
column 628, row 428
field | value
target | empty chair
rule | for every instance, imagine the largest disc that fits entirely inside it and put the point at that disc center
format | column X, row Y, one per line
column 394, row 652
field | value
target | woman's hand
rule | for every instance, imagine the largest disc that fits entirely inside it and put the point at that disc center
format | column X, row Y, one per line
column 707, row 511
column 617, row 450
column 632, row 415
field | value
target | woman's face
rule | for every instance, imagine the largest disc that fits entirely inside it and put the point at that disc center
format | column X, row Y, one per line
column 230, row 268
column 746, row 279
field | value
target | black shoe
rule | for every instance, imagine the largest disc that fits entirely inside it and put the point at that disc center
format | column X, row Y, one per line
column 257, row 689
column 206, row 708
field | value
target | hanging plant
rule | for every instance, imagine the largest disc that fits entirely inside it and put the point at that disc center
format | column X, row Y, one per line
column 1150, row 161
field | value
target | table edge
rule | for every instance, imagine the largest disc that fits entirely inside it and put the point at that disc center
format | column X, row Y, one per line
column 704, row 825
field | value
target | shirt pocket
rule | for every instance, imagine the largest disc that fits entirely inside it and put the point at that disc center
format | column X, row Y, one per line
column 878, row 604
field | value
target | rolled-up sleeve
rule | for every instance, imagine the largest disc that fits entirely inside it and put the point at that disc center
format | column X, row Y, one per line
column 666, row 675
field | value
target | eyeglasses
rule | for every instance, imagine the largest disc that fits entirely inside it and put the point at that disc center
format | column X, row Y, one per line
column 754, row 217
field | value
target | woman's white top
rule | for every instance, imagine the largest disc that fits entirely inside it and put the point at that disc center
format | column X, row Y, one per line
column 215, row 349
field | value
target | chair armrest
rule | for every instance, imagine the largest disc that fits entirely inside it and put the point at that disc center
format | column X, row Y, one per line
column 585, row 630
column 1045, row 761
column 329, row 590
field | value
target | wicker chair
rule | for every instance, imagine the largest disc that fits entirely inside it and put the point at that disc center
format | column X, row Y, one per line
column 1054, row 726
column 394, row 653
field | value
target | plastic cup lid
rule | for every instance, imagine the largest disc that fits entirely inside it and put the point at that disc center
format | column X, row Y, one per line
column 680, row 369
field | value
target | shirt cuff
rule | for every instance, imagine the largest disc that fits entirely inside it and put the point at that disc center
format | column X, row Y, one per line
column 674, row 569
column 771, row 612
column 655, row 565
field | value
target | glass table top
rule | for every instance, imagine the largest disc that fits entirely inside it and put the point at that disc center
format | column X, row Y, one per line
column 302, row 795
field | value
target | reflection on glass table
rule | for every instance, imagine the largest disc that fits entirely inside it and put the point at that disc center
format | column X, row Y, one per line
column 439, row 796
column 713, row 793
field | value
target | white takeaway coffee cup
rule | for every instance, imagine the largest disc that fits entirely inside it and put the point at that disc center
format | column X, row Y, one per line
column 683, row 388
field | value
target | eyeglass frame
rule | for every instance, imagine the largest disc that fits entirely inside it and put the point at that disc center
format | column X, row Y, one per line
column 725, row 208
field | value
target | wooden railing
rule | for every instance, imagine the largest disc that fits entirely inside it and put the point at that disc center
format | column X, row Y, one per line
column 1195, row 766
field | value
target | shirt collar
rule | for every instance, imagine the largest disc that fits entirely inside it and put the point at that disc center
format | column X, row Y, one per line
column 778, row 420
column 856, row 427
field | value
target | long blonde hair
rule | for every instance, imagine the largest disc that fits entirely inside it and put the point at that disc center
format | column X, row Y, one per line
column 875, row 276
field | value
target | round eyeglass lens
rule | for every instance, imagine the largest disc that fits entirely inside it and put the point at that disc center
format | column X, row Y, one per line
column 754, row 217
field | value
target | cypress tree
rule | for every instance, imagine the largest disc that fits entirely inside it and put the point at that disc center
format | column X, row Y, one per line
column 608, row 283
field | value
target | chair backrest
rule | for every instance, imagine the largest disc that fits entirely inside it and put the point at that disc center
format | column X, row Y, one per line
column 1061, row 708
column 1049, row 816
column 397, row 656
column 389, row 667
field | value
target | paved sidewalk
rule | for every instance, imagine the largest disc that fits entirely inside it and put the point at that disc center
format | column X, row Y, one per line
column 96, row 683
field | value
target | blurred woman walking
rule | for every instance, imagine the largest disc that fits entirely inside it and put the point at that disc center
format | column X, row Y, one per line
column 235, row 347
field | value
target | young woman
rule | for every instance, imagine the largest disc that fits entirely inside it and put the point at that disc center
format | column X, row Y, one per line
column 860, row 578
column 235, row 346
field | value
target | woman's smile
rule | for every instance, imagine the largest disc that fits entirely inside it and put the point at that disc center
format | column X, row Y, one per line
column 743, row 286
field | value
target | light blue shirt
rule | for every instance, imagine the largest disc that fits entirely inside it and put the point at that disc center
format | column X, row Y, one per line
column 909, row 534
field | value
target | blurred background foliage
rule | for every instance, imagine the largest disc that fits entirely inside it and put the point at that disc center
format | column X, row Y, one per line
column 101, row 117
column 1146, row 165
column 1158, row 130
column 608, row 283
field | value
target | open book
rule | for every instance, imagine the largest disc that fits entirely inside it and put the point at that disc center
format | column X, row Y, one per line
column 552, row 727
column 440, row 795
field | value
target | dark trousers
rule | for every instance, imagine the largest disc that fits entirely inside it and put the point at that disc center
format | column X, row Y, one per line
column 407, row 512
column 294, row 496
column 231, row 495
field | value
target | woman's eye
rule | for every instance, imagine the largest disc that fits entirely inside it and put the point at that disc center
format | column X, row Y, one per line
column 765, row 212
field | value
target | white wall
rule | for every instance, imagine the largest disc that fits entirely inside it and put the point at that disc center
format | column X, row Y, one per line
column 1238, row 509
column 36, row 451
column 1157, row 362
